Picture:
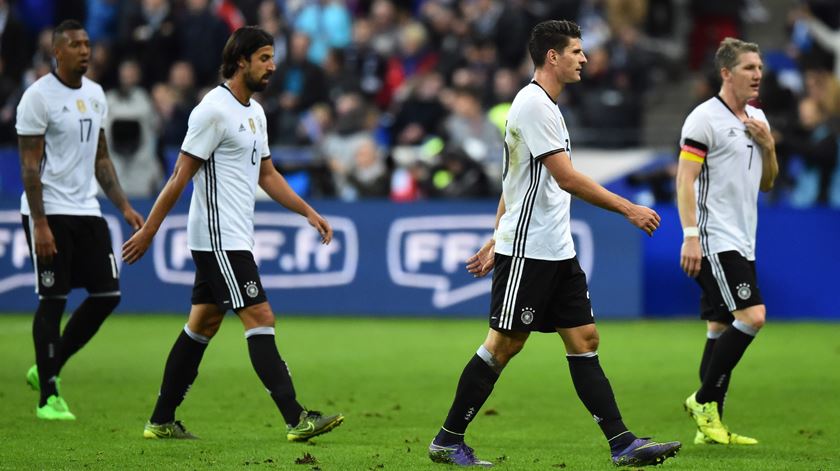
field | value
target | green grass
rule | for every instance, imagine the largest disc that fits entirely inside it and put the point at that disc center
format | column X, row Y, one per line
column 394, row 380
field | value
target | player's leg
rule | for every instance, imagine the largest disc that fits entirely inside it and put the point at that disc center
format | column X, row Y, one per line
column 249, row 302
column 52, row 286
column 733, row 277
column 181, row 370
column 516, row 285
column 100, row 277
column 571, row 315
column 474, row 387
column 714, row 330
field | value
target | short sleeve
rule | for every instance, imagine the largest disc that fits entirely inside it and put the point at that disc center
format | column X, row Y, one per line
column 32, row 114
column 104, row 100
column 696, row 137
column 205, row 130
column 542, row 130
column 265, row 152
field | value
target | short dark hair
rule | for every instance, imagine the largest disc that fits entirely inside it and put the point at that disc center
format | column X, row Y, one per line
column 551, row 34
column 66, row 25
column 729, row 53
column 242, row 43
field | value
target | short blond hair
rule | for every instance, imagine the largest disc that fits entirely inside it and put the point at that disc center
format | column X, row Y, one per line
column 730, row 50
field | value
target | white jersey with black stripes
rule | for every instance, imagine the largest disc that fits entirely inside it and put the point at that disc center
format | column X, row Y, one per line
column 231, row 139
column 728, row 185
column 536, row 219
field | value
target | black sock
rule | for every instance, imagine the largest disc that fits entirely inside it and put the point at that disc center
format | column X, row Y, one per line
column 83, row 324
column 704, row 366
column 593, row 389
column 273, row 373
column 729, row 349
column 178, row 375
column 474, row 387
column 46, row 328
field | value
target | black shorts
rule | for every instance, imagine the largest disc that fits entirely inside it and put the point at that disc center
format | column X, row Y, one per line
column 729, row 284
column 84, row 259
column 531, row 295
column 229, row 279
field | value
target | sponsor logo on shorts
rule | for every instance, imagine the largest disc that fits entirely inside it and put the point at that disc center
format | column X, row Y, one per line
column 527, row 315
column 744, row 291
column 47, row 279
column 251, row 289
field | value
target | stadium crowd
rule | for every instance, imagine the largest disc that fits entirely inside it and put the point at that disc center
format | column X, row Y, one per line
column 407, row 98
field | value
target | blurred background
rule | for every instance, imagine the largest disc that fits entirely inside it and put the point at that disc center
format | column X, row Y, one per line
column 376, row 104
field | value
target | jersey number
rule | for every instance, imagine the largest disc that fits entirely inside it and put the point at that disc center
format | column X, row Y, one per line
column 749, row 165
column 86, row 123
column 254, row 154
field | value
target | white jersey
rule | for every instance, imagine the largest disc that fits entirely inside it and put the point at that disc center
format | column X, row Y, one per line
column 232, row 141
column 69, row 119
column 536, row 219
column 727, row 188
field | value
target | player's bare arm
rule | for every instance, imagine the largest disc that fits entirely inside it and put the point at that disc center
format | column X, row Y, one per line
column 590, row 191
column 279, row 190
column 106, row 175
column 31, row 154
column 690, row 253
column 483, row 261
column 761, row 134
column 136, row 246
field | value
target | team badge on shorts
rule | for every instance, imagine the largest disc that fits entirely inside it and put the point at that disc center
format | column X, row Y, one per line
column 744, row 291
column 251, row 289
column 527, row 315
column 47, row 279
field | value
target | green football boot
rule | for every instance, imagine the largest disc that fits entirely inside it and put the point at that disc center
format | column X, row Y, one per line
column 34, row 381
column 55, row 409
column 174, row 429
column 312, row 423
column 734, row 439
column 707, row 419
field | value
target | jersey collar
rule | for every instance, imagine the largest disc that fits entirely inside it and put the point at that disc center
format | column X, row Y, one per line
column 543, row 89
column 65, row 83
column 224, row 85
column 730, row 109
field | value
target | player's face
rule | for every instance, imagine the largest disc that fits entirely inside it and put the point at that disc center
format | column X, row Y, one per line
column 259, row 69
column 72, row 50
column 745, row 77
column 568, row 63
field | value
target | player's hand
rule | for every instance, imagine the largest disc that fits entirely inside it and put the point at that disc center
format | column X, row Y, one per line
column 136, row 246
column 760, row 133
column 44, row 241
column 690, row 256
column 321, row 225
column 133, row 218
column 482, row 262
column 644, row 218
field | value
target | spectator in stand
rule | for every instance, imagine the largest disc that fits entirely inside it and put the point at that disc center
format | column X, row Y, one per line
column 414, row 57
column 362, row 60
column 14, row 45
column 368, row 175
column 147, row 32
column 130, row 129
column 201, row 35
column 816, row 144
column 386, row 29
column 421, row 114
column 328, row 25
column 457, row 176
column 468, row 129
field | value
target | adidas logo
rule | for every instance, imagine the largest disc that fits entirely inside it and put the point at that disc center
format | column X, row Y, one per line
column 65, row 110
column 241, row 128
column 731, row 132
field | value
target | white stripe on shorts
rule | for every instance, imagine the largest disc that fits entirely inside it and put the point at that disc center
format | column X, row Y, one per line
column 720, row 277
column 230, row 279
column 511, row 290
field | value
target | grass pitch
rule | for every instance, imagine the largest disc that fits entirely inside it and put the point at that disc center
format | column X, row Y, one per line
column 394, row 380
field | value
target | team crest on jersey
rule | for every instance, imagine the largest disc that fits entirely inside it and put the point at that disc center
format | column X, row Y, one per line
column 97, row 108
column 527, row 315
column 251, row 289
column 80, row 104
column 744, row 291
column 47, row 279
column 253, row 127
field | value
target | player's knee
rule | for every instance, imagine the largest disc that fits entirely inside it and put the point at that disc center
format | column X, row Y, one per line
column 504, row 349
column 756, row 316
column 259, row 315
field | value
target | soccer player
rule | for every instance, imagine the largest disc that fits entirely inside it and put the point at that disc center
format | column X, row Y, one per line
column 226, row 154
column 727, row 156
column 62, row 147
column 538, row 284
